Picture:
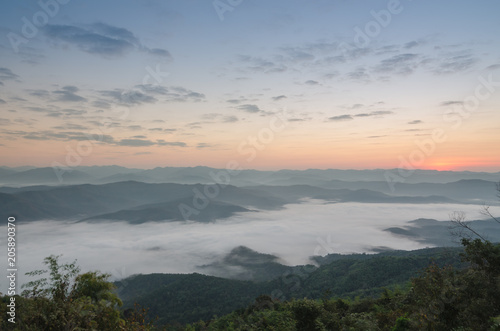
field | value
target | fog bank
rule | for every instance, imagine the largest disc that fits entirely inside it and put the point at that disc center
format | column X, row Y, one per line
column 293, row 234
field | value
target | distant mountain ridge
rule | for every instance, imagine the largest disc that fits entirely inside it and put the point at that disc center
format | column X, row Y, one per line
column 22, row 176
column 138, row 202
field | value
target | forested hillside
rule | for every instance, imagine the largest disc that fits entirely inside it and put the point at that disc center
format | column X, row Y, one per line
column 189, row 298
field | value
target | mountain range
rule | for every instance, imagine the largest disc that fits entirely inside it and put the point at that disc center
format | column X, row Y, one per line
column 202, row 194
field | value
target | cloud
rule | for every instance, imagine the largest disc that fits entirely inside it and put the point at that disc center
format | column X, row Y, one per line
column 230, row 119
column 2, row 102
column 359, row 74
column 456, row 62
column 249, row 108
column 402, row 64
column 162, row 130
column 194, row 125
column 68, row 94
column 203, row 145
column 356, row 106
column 411, row 44
column 153, row 89
column 493, row 67
column 160, row 52
column 7, row 74
column 39, row 93
column 257, row 64
column 57, row 112
column 62, row 135
column 296, row 54
column 347, row 117
column 375, row 113
column 101, row 104
column 279, row 97
column 100, row 39
column 162, row 142
column 70, row 126
column 451, row 103
column 135, row 143
column 65, row 94
column 311, row 82
column 90, row 41
column 220, row 117
column 5, row 121
column 387, row 49
column 181, row 94
column 340, row 118
column 415, row 122
column 331, row 75
column 173, row 93
column 127, row 98
column 134, row 127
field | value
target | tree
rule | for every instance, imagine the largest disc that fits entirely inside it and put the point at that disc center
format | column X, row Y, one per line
column 63, row 299
column 469, row 299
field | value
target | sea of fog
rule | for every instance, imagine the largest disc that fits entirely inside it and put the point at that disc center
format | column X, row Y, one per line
column 294, row 234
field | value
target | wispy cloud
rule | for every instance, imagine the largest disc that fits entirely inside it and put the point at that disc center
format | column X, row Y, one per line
column 101, row 39
column 60, row 135
column 375, row 113
column 172, row 93
column 162, row 142
column 401, row 64
column 455, row 62
column 258, row 64
column 203, row 145
column 311, row 82
column 127, row 98
column 249, row 108
column 220, row 118
column 44, row 94
column 360, row 74
column 338, row 118
column 135, row 143
column 7, row 74
column 451, row 103
column 279, row 97
column 68, row 94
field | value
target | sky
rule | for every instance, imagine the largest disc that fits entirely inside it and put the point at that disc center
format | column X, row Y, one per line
column 268, row 84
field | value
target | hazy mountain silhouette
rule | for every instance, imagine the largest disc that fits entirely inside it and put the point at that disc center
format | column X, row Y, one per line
column 136, row 201
column 244, row 263
column 45, row 176
column 440, row 233
column 169, row 211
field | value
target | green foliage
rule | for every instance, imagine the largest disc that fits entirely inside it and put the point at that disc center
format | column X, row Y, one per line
column 440, row 298
column 63, row 299
column 448, row 298
column 189, row 298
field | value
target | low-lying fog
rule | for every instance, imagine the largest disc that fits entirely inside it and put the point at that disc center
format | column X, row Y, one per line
column 294, row 234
